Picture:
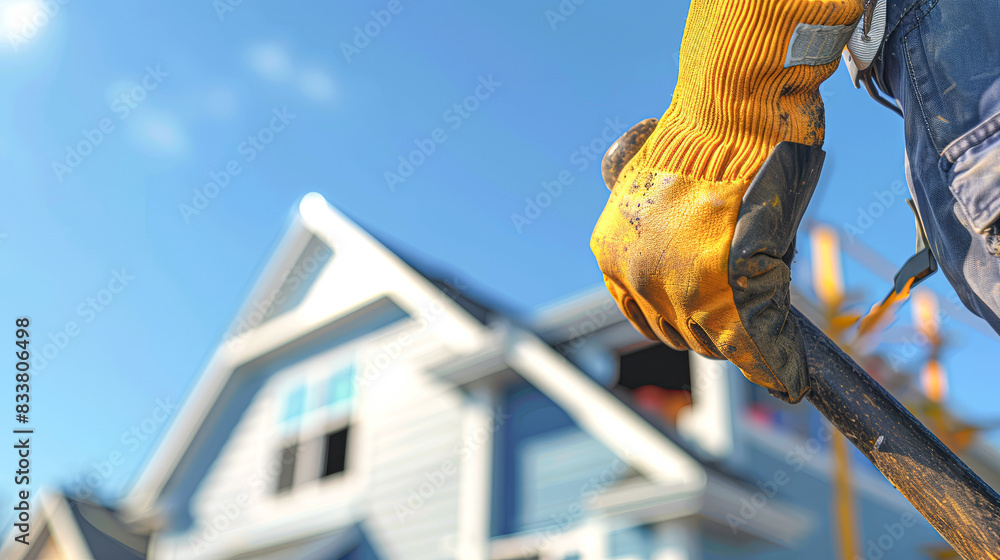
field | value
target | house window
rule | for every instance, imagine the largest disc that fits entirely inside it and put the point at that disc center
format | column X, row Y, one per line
column 316, row 438
column 295, row 404
column 335, row 452
column 287, row 472
column 657, row 379
column 340, row 387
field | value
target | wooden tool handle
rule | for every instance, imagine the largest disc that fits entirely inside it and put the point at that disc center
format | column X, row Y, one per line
column 963, row 508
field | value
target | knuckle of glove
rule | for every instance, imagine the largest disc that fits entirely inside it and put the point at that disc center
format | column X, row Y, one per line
column 634, row 300
column 629, row 307
column 671, row 337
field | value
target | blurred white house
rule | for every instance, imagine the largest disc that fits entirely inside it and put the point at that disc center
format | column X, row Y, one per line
column 362, row 409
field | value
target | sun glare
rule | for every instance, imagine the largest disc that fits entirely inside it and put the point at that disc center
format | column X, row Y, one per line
column 23, row 18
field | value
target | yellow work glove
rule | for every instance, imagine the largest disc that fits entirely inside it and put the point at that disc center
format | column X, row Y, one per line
column 698, row 233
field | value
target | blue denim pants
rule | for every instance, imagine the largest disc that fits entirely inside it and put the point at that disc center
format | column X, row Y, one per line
column 941, row 62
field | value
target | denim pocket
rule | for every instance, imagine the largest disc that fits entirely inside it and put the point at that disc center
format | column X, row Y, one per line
column 973, row 165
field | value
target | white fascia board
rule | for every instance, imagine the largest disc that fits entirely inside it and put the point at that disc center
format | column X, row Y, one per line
column 463, row 370
column 638, row 498
column 360, row 270
column 453, row 325
column 602, row 415
column 723, row 501
column 272, row 276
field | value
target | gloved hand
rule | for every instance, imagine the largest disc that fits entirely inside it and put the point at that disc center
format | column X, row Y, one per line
column 697, row 236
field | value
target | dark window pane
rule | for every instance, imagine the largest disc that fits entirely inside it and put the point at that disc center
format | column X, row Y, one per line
column 287, row 473
column 658, row 365
column 336, row 452
column 658, row 379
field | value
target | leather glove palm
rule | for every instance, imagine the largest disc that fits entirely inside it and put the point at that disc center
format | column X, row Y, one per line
column 697, row 235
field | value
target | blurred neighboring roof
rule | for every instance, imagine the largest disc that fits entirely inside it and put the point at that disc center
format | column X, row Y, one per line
column 81, row 530
column 106, row 536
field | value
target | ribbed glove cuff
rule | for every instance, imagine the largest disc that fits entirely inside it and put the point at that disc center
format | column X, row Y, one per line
column 735, row 100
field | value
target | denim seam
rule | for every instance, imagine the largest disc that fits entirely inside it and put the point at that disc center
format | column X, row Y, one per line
column 930, row 6
column 916, row 91
column 902, row 16
column 880, row 57
column 923, row 10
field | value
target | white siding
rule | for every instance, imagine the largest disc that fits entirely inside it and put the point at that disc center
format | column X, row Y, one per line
column 406, row 428
column 413, row 494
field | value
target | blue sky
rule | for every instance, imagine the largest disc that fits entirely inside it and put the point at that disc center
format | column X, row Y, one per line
column 112, row 116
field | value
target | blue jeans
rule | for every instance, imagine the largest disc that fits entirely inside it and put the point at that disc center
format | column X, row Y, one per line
column 941, row 62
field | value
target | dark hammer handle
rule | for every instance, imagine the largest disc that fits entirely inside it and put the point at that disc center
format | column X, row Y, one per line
column 953, row 499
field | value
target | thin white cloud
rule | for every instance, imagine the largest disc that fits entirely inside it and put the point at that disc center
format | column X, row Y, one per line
column 159, row 133
column 316, row 84
column 270, row 61
column 273, row 62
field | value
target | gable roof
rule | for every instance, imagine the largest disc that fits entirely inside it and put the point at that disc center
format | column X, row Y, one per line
column 105, row 535
column 359, row 278
column 360, row 273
